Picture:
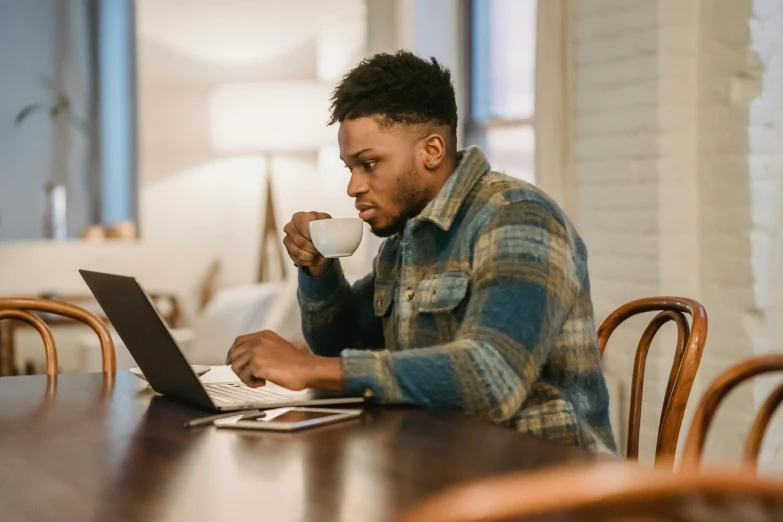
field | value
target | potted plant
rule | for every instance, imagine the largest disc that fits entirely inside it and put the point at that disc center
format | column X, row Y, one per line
column 58, row 108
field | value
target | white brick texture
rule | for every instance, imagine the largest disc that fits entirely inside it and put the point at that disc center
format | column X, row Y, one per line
column 765, row 169
column 678, row 155
column 615, row 150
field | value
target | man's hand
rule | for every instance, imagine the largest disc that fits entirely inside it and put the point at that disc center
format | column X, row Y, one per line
column 300, row 245
column 263, row 356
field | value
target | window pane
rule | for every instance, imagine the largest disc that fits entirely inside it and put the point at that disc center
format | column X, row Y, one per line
column 511, row 150
column 504, row 52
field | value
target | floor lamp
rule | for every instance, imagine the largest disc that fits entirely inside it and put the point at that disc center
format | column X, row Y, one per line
column 271, row 118
column 269, row 230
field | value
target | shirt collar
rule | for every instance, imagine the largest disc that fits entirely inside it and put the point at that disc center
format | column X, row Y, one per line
column 471, row 167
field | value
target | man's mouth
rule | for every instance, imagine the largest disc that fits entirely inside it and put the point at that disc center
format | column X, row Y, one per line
column 365, row 211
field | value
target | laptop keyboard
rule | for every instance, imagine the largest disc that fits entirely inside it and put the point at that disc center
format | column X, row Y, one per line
column 237, row 393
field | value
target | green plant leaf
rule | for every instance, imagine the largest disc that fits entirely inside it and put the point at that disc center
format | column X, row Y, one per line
column 27, row 112
column 64, row 103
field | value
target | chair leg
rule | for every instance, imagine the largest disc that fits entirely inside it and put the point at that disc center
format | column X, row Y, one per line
column 7, row 349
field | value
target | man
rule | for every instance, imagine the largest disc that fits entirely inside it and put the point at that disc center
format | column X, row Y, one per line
column 479, row 299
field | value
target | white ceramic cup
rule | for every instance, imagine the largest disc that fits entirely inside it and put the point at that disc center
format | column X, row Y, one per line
column 337, row 237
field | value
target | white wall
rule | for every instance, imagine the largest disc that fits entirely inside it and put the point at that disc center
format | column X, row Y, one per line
column 765, row 169
column 677, row 154
column 615, row 163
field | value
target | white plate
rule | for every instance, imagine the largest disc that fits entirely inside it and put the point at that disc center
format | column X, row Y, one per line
column 197, row 369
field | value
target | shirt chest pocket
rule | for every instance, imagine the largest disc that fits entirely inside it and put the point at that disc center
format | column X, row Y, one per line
column 383, row 303
column 383, row 297
column 441, row 293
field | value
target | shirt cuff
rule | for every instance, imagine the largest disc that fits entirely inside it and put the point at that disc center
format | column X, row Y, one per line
column 364, row 372
column 321, row 288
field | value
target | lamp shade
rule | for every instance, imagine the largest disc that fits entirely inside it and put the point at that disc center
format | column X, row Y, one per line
column 272, row 117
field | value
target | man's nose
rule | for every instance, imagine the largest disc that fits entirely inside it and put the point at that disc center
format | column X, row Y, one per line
column 356, row 185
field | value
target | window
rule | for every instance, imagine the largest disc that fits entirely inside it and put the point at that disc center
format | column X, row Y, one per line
column 503, row 51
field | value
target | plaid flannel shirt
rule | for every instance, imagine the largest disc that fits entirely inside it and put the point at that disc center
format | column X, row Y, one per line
column 481, row 305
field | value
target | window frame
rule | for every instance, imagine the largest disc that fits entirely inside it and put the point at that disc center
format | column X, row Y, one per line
column 476, row 130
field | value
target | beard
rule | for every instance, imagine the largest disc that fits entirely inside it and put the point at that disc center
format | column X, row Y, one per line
column 411, row 201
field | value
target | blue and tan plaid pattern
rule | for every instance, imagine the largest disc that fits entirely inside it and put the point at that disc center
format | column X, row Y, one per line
column 481, row 305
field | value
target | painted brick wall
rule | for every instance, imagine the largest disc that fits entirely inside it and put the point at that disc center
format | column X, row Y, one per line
column 764, row 84
column 677, row 153
column 725, row 282
column 616, row 135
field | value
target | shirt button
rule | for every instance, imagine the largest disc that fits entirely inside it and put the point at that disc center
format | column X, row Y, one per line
column 409, row 295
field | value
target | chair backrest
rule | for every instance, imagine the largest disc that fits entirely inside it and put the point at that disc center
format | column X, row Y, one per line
column 167, row 305
column 610, row 491
column 690, row 345
column 718, row 390
column 20, row 308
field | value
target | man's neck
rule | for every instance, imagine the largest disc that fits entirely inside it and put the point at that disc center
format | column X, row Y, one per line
column 442, row 175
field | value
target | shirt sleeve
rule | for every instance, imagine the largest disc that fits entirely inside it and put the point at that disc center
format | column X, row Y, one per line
column 335, row 314
column 525, row 281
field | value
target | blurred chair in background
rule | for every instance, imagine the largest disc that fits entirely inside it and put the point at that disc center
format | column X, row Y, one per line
column 14, row 350
column 690, row 345
column 20, row 308
column 718, row 390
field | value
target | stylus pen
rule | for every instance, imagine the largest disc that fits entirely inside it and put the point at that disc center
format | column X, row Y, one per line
column 208, row 420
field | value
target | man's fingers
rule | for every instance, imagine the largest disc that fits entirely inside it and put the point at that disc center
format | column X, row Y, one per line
column 257, row 383
column 269, row 334
column 300, row 235
column 289, row 228
column 237, row 348
column 240, row 362
column 302, row 224
column 303, row 257
column 297, row 254
column 248, row 377
column 246, row 374
column 304, row 244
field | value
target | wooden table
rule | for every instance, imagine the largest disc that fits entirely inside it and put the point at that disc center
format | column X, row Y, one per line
column 93, row 448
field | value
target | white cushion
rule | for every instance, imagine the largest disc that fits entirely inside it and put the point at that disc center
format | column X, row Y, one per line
column 231, row 313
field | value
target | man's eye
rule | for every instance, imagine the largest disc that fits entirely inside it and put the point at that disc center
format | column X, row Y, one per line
column 368, row 165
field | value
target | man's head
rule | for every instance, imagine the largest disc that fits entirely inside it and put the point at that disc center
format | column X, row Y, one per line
column 398, row 136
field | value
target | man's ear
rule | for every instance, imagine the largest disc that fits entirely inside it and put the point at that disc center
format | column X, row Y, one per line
column 434, row 151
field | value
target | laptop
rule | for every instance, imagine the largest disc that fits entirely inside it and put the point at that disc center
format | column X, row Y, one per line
column 168, row 372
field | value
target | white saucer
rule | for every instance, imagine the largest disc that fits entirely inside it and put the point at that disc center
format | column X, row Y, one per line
column 197, row 369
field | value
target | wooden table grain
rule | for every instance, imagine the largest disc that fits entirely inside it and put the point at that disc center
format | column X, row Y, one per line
column 89, row 447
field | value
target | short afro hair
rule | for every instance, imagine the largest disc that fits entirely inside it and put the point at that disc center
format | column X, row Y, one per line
column 399, row 88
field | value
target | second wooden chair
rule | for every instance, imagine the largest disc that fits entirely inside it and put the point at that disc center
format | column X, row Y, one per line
column 718, row 390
